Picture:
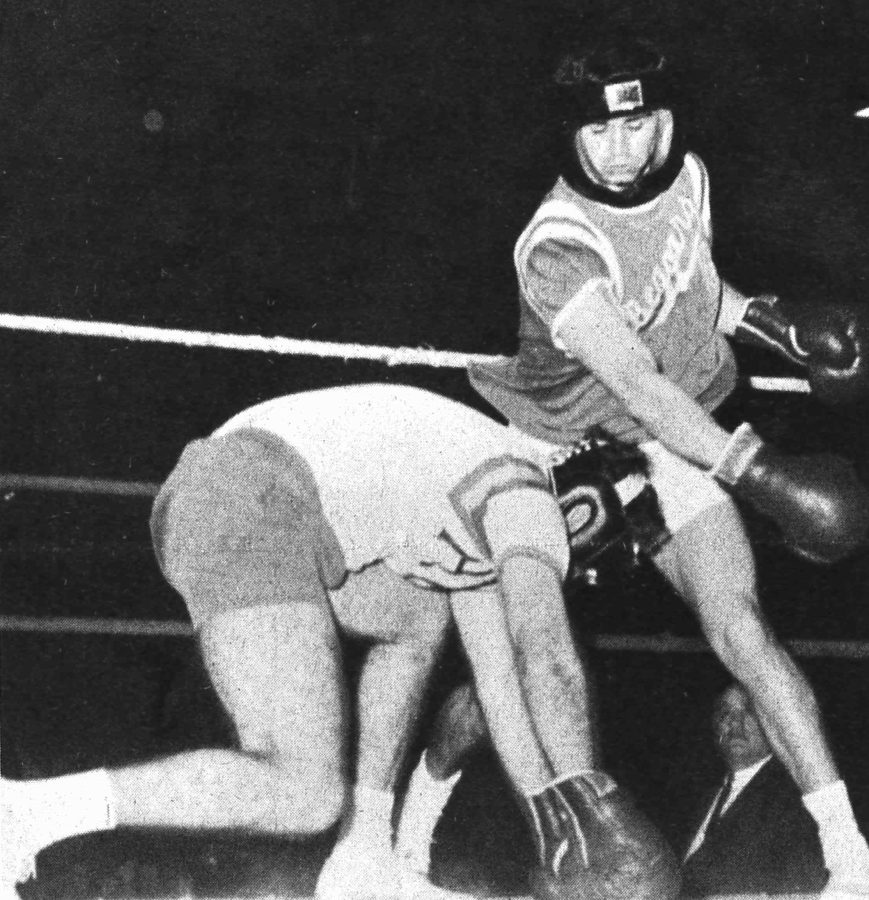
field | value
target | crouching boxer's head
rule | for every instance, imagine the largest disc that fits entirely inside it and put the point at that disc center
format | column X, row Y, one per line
column 609, row 505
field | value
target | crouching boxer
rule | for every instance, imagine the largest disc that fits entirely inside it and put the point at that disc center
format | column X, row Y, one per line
column 386, row 514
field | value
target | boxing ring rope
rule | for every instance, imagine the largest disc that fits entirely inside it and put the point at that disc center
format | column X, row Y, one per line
column 391, row 356
column 618, row 643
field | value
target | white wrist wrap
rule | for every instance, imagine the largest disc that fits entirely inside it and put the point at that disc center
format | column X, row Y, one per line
column 738, row 453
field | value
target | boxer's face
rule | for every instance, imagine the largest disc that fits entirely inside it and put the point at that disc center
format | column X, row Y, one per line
column 617, row 153
column 738, row 733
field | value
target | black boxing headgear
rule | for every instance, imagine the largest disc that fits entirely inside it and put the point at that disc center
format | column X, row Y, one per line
column 616, row 79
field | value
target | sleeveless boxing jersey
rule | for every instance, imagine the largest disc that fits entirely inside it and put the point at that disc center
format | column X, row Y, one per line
column 655, row 262
column 406, row 476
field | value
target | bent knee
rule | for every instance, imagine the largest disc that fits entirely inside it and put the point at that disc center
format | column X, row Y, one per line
column 308, row 792
column 305, row 803
column 325, row 805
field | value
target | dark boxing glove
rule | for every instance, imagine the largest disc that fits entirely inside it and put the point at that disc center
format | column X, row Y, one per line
column 610, row 508
column 830, row 341
column 818, row 502
column 593, row 843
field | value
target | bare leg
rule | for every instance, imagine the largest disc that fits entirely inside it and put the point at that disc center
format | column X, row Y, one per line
column 278, row 670
column 409, row 625
column 393, row 688
column 710, row 563
column 459, row 728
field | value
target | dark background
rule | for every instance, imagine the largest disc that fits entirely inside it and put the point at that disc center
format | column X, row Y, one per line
column 356, row 171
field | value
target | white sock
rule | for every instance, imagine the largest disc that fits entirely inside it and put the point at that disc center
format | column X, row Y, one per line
column 62, row 807
column 846, row 854
column 423, row 805
column 370, row 819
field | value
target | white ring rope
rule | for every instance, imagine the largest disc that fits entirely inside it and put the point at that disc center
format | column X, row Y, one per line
column 654, row 643
column 391, row 356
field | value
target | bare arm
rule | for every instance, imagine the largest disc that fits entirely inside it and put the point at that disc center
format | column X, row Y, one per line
column 529, row 679
column 596, row 334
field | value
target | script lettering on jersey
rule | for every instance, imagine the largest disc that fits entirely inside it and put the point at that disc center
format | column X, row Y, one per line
column 672, row 273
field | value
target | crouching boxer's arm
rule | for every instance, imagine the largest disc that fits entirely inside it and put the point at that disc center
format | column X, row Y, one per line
column 526, row 536
column 592, row 841
column 482, row 628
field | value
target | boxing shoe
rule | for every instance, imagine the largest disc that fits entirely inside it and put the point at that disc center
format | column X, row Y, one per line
column 848, row 865
column 18, row 830
column 595, row 844
column 416, row 886
column 358, row 872
column 844, row 890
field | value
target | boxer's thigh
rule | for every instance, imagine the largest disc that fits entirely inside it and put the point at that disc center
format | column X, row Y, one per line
column 278, row 671
column 685, row 491
column 710, row 563
column 378, row 604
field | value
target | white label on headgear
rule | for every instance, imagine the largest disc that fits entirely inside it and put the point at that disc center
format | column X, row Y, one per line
column 623, row 96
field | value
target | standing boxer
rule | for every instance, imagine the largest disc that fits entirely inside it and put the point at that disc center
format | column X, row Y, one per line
column 625, row 324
